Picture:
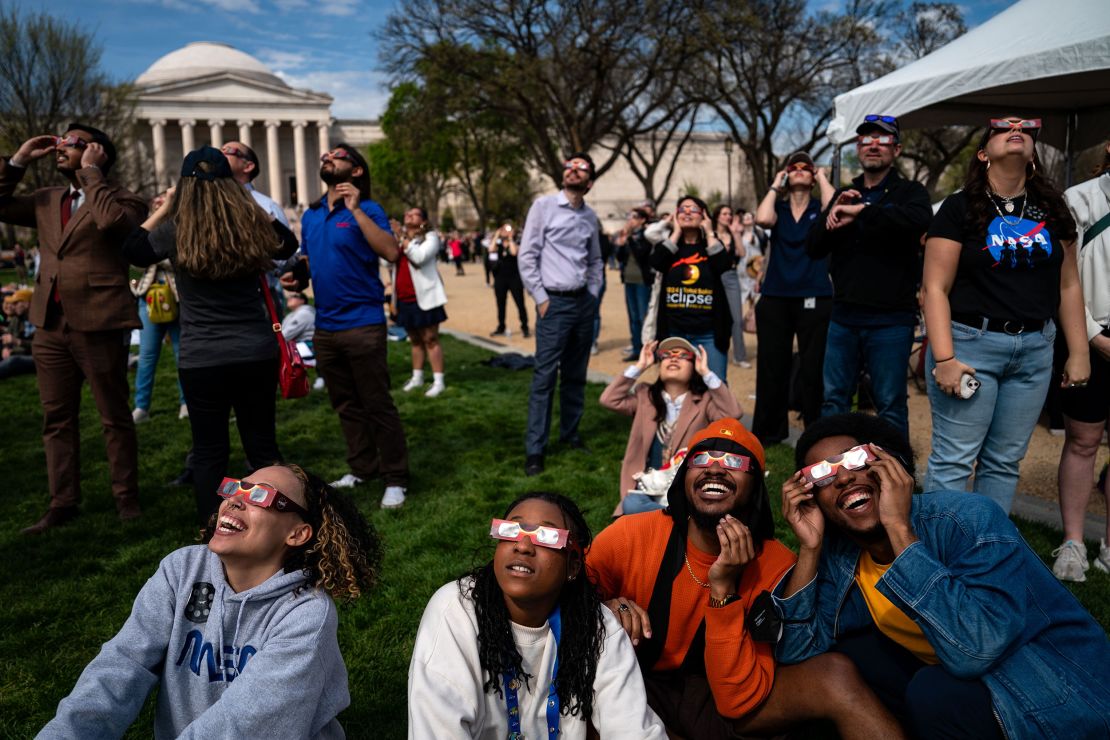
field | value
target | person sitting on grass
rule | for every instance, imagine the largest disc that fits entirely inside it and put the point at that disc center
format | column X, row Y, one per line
column 240, row 633
column 951, row 618
column 522, row 644
column 686, row 396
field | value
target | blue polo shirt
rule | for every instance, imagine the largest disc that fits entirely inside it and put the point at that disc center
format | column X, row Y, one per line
column 345, row 283
column 791, row 273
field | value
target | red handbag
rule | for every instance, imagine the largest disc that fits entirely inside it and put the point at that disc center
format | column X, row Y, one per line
column 292, row 375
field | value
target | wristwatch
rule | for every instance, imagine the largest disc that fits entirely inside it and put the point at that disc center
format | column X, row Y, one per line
column 720, row 603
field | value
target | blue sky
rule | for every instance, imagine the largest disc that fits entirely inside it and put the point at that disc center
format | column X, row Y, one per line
column 326, row 45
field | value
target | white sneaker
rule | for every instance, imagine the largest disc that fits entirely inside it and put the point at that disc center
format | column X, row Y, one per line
column 1102, row 562
column 183, row 412
column 435, row 390
column 594, row 349
column 412, row 385
column 318, row 384
column 350, row 480
column 394, row 497
column 140, row 415
column 1071, row 562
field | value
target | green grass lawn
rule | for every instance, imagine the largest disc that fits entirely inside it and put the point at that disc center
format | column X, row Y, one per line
column 67, row 592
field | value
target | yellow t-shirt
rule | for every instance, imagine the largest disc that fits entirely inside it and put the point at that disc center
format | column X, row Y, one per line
column 891, row 620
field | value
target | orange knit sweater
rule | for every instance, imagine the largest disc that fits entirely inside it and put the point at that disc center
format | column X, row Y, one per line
column 625, row 559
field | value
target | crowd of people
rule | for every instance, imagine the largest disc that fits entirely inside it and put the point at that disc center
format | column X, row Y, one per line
column 902, row 614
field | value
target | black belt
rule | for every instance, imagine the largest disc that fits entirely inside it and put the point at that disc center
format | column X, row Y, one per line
column 1008, row 326
column 567, row 293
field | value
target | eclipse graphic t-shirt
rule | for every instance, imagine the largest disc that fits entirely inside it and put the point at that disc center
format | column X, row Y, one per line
column 688, row 292
column 1012, row 271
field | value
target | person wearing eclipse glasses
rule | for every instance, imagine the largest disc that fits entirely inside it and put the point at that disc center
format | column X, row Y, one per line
column 1000, row 264
column 561, row 268
column 691, row 585
column 685, row 397
column 872, row 236
column 239, row 634
column 82, row 309
column 521, row 647
column 951, row 618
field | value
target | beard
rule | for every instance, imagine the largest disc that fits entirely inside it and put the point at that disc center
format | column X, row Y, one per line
column 331, row 177
column 707, row 522
column 577, row 187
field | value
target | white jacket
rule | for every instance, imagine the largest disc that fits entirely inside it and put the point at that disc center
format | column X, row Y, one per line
column 421, row 254
column 1089, row 201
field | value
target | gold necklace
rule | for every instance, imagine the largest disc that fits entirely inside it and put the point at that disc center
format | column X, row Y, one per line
column 697, row 580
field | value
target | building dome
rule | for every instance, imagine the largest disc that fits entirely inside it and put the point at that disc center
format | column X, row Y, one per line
column 203, row 58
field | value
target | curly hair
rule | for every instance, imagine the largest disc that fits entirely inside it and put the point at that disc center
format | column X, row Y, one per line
column 1041, row 190
column 343, row 555
column 221, row 233
column 864, row 428
column 583, row 631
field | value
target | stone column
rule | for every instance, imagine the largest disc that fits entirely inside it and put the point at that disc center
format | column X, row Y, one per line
column 300, row 163
column 273, row 159
column 323, row 128
column 245, row 132
column 188, row 144
column 158, row 129
column 216, row 133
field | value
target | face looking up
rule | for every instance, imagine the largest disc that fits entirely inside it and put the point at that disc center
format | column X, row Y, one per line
column 851, row 500
column 716, row 490
column 531, row 576
column 250, row 532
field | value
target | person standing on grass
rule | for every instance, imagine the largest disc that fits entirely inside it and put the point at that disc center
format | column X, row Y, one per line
column 634, row 255
column 82, row 309
column 521, row 646
column 730, row 280
column 560, row 264
column 1086, row 408
column 420, row 297
column 945, row 610
column 872, row 237
column 344, row 236
column 238, row 634
column 502, row 256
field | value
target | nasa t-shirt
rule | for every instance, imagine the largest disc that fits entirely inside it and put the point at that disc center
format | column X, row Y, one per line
column 1010, row 272
column 688, row 291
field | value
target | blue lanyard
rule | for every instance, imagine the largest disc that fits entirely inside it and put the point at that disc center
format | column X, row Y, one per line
column 512, row 704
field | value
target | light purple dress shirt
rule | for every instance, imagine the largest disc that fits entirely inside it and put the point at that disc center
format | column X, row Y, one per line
column 560, row 249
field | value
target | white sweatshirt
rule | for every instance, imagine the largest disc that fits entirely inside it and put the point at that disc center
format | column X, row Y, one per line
column 445, row 681
column 1089, row 201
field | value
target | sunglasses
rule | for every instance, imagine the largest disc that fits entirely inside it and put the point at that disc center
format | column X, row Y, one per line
column 1031, row 126
column 73, row 141
column 823, row 473
column 881, row 139
column 726, row 460
column 260, row 494
column 675, row 354
column 576, row 166
column 874, row 117
column 337, row 154
column 800, row 167
column 552, row 537
column 231, row 151
column 689, row 209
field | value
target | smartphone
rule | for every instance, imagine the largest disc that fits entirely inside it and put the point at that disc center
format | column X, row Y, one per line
column 968, row 385
column 783, row 181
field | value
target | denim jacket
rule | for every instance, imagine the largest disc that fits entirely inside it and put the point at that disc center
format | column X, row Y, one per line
column 988, row 606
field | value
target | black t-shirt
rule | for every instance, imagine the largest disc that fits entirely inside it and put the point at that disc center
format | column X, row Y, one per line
column 688, row 292
column 1010, row 272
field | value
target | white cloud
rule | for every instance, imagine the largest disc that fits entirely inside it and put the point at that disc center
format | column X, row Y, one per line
column 234, row 6
column 357, row 93
column 280, row 59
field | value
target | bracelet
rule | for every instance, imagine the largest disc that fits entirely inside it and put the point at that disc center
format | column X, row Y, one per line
column 778, row 190
column 944, row 360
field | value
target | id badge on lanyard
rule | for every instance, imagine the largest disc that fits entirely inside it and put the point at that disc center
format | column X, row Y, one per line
column 511, row 682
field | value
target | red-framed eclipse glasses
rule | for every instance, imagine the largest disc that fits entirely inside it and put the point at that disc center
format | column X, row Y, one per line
column 1031, row 126
column 824, row 472
column 260, row 494
column 727, row 460
column 542, row 535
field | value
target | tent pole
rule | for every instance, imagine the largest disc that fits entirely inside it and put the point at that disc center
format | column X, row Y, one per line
column 836, row 166
column 1069, row 150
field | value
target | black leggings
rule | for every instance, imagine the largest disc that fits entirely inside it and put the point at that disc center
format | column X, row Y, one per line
column 211, row 394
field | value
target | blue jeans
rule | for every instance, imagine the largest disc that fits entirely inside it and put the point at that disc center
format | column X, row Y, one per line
column 718, row 360
column 636, row 503
column 636, row 299
column 563, row 338
column 991, row 429
column 597, row 315
column 885, row 352
column 150, row 349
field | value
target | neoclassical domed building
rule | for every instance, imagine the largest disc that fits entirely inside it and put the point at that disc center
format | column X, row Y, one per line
column 209, row 93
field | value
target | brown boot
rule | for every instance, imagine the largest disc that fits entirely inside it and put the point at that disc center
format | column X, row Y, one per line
column 54, row 517
column 128, row 508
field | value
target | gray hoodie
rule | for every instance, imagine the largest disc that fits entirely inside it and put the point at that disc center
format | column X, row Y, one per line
column 263, row 663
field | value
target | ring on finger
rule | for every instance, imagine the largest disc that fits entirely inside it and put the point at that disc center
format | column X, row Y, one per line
column 623, row 608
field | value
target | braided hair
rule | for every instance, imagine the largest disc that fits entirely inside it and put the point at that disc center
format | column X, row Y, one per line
column 583, row 631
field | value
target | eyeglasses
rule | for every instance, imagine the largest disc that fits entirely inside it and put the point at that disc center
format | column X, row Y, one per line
column 260, row 494
column 231, row 151
column 727, row 460
column 551, row 537
column 823, row 473
column 873, row 117
column 689, row 208
column 73, row 141
column 576, row 166
column 337, row 154
column 675, row 354
column 1031, row 126
column 881, row 140
column 800, row 167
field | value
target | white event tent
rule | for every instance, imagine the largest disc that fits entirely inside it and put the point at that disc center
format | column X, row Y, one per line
column 1038, row 58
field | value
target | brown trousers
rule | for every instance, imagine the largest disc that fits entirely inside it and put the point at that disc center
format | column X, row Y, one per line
column 353, row 364
column 64, row 359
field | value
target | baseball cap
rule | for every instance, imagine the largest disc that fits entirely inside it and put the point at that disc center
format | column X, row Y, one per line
column 729, row 430
column 877, row 122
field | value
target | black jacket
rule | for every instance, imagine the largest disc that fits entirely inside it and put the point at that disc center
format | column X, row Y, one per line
column 876, row 260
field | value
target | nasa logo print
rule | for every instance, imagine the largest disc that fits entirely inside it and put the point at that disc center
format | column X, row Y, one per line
column 200, row 604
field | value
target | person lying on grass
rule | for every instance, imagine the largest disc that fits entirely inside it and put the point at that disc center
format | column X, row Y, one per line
column 240, row 633
column 522, row 644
